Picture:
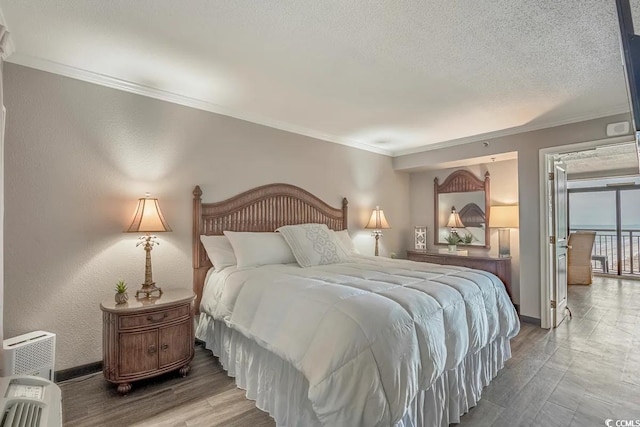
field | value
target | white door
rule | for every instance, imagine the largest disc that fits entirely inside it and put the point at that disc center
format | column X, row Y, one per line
column 558, row 242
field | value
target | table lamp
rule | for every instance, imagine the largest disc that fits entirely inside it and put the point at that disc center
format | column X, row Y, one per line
column 454, row 221
column 504, row 218
column 148, row 219
column 377, row 223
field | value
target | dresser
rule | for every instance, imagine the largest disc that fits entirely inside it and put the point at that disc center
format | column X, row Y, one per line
column 146, row 337
column 500, row 266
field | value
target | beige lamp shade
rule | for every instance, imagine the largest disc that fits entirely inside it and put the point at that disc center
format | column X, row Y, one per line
column 377, row 220
column 454, row 219
column 148, row 217
column 504, row 217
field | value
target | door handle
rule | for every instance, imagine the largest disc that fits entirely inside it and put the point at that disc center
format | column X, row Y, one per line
column 152, row 349
column 164, row 347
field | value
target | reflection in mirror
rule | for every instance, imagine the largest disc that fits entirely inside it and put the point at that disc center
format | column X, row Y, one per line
column 454, row 221
column 461, row 207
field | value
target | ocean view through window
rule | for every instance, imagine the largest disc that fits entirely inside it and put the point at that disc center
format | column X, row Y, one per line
column 614, row 214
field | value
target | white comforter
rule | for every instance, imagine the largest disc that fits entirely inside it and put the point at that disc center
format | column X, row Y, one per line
column 367, row 334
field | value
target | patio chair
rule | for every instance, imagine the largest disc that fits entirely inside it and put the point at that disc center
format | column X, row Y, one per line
column 579, row 259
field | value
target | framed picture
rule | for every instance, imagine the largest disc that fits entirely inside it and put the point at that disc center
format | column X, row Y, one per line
column 421, row 237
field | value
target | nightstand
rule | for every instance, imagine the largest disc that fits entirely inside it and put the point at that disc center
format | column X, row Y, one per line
column 147, row 337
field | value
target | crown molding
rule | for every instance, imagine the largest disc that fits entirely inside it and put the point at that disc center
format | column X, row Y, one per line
column 620, row 109
column 151, row 92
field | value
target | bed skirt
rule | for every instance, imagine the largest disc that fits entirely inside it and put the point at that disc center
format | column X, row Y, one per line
column 281, row 390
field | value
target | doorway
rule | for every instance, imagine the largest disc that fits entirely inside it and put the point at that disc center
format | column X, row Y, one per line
column 594, row 167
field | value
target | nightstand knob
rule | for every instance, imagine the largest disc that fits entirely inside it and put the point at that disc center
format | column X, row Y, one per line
column 152, row 349
column 164, row 347
column 157, row 319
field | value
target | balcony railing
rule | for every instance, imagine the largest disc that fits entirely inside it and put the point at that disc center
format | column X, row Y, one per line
column 605, row 251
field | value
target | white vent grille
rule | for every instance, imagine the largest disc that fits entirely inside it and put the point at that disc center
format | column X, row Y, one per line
column 22, row 414
column 30, row 354
column 32, row 357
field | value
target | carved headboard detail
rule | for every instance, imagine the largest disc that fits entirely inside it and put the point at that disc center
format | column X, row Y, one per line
column 261, row 209
column 472, row 215
column 462, row 181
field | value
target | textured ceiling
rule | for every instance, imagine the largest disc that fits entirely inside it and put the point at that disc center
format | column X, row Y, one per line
column 611, row 160
column 381, row 75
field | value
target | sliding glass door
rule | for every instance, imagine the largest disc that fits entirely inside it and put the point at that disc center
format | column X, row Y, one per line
column 614, row 214
column 630, row 228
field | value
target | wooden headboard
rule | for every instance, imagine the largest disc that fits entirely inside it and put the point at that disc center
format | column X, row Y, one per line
column 472, row 215
column 262, row 209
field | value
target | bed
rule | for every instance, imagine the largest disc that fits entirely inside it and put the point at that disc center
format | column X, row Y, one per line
column 356, row 341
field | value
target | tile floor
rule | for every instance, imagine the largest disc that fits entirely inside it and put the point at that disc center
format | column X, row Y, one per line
column 580, row 374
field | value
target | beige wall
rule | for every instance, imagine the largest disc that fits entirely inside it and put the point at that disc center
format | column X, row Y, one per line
column 503, row 190
column 528, row 146
column 79, row 155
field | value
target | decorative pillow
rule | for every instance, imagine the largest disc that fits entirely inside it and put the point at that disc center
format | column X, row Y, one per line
column 219, row 250
column 344, row 240
column 253, row 249
column 313, row 244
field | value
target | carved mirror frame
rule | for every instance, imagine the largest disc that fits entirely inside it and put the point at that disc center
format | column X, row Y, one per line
column 462, row 181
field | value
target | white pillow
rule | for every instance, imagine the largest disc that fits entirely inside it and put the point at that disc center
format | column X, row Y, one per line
column 219, row 251
column 313, row 244
column 253, row 249
column 344, row 240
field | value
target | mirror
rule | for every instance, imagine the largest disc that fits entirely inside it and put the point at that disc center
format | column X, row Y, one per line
column 461, row 205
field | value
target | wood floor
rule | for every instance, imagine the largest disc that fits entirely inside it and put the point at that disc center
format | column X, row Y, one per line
column 584, row 372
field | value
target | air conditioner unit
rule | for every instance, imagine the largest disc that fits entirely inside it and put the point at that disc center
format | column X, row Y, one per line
column 30, row 402
column 30, row 354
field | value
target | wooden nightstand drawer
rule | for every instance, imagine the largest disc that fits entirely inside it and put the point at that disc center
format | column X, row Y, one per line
column 143, row 338
column 153, row 318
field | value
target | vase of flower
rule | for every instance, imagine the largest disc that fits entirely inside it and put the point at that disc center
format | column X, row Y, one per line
column 121, row 292
column 452, row 240
column 468, row 239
